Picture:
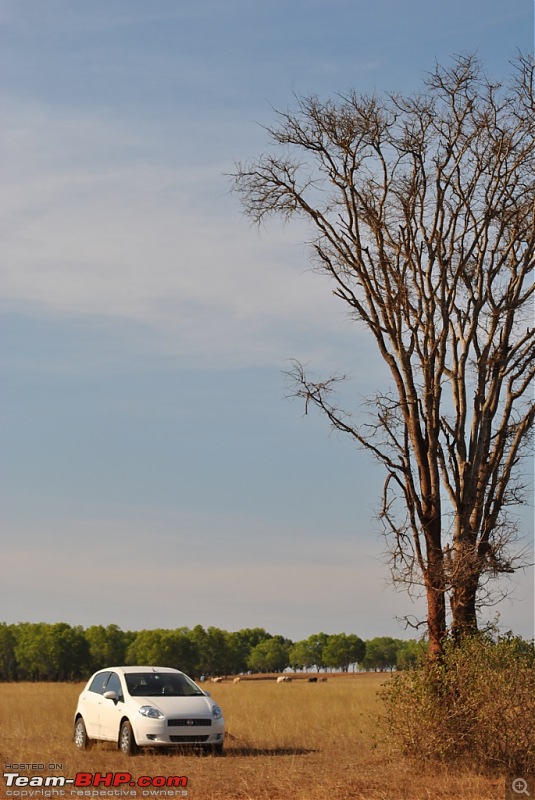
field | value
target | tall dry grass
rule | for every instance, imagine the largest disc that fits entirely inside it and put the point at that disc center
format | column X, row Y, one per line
column 476, row 706
column 293, row 741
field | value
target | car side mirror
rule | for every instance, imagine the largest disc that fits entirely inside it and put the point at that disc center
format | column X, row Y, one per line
column 110, row 696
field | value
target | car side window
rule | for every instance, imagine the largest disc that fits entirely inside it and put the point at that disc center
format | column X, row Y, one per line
column 114, row 685
column 99, row 682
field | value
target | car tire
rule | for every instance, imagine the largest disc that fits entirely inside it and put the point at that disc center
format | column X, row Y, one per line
column 127, row 742
column 217, row 749
column 81, row 739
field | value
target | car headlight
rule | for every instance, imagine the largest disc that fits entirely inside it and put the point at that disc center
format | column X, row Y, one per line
column 217, row 712
column 150, row 711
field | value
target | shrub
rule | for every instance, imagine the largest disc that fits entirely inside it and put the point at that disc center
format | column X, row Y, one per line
column 477, row 705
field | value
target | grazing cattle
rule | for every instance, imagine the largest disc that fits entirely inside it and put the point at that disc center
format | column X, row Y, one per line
column 324, row 680
column 284, row 679
column 312, row 680
column 216, row 680
column 237, row 679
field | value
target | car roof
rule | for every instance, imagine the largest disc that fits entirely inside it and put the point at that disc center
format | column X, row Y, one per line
column 126, row 669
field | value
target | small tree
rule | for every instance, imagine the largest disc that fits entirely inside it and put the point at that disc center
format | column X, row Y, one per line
column 381, row 653
column 341, row 650
column 302, row 655
column 216, row 655
column 107, row 646
column 476, row 705
column 316, row 643
column 271, row 655
column 241, row 643
column 8, row 660
column 422, row 213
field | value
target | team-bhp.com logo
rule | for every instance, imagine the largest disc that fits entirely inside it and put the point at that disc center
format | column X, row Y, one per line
column 94, row 784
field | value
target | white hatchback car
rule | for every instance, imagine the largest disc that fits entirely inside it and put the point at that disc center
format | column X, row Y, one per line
column 147, row 707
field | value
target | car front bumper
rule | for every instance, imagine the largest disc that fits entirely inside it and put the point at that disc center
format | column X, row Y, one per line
column 187, row 732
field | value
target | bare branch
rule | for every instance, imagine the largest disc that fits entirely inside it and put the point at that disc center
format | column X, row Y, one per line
column 422, row 213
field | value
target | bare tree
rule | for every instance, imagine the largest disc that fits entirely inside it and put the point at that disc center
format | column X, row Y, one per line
column 422, row 212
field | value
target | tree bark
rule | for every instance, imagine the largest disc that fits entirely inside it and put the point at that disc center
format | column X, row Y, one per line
column 464, row 609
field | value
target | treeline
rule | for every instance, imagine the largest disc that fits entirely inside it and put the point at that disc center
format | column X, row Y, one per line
column 61, row 652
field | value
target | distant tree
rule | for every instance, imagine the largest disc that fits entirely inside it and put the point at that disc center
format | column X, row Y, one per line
column 8, row 659
column 341, row 650
column 55, row 652
column 302, row 655
column 381, row 653
column 164, row 648
column 215, row 651
column 240, row 645
column 71, row 651
column 107, row 646
column 316, row 643
column 271, row 655
column 144, row 649
column 421, row 210
column 410, row 653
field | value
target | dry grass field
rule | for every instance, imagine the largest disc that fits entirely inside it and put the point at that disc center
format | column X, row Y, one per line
column 295, row 741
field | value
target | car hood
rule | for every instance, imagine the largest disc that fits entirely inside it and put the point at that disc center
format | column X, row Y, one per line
column 178, row 706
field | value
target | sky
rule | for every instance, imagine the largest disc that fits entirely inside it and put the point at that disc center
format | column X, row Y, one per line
column 155, row 470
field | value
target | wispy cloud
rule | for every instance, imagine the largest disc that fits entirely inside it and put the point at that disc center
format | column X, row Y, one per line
column 163, row 247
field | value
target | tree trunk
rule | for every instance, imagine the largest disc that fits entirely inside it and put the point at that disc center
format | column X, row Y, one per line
column 463, row 609
column 436, row 620
column 433, row 570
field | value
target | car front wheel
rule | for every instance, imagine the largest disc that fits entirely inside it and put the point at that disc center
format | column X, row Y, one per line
column 81, row 740
column 127, row 742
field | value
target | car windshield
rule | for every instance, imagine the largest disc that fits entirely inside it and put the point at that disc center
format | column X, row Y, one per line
column 158, row 684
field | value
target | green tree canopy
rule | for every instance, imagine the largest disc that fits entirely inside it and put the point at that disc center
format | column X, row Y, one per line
column 341, row 650
column 271, row 655
column 381, row 653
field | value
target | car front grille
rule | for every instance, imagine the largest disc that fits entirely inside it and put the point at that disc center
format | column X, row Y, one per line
column 188, row 739
column 189, row 723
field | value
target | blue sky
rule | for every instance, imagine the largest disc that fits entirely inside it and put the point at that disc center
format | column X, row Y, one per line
column 155, row 473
